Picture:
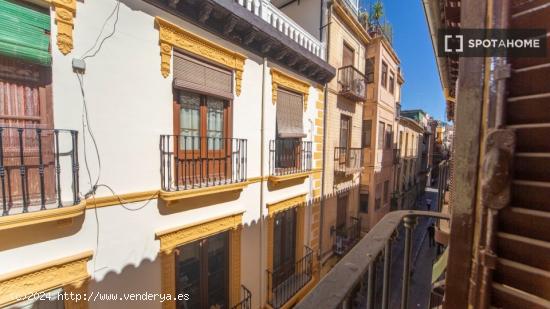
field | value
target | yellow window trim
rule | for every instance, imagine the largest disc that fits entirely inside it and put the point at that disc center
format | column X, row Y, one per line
column 65, row 11
column 69, row 273
column 172, row 238
column 42, row 216
column 119, row 199
column 171, row 35
column 283, row 80
column 276, row 180
column 276, row 207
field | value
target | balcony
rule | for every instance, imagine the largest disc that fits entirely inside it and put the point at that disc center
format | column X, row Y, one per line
column 348, row 160
column 396, row 156
column 352, row 284
column 351, row 83
column 347, row 237
column 193, row 163
column 39, row 175
column 289, row 159
column 285, row 25
column 286, row 280
column 246, row 299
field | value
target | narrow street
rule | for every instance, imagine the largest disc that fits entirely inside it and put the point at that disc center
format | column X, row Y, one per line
column 420, row 288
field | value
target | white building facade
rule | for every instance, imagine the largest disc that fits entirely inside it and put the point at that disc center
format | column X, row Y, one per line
column 192, row 165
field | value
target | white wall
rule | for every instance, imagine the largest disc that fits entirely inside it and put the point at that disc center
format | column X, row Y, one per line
column 129, row 106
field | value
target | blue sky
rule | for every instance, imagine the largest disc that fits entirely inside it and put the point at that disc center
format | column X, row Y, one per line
column 422, row 88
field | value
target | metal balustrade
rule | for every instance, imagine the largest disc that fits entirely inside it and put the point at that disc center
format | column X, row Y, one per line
column 354, row 274
column 246, row 299
column 347, row 237
column 352, row 83
column 284, row 24
column 287, row 279
column 38, row 169
column 289, row 156
column 190, row 162
column 348, row 160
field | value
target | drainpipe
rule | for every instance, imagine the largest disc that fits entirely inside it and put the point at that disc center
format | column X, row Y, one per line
column 262, row 160
column 310, row 212
column 325, row 103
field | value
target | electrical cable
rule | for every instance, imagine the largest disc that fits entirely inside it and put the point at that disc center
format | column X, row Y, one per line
column 115, row 10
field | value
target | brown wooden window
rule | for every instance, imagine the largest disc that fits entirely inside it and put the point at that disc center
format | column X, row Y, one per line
column 389, row 136
column 341, row 212
column 381, row 134
column 364, row 203
column 384, row 74
column 202, row 271
column 345, row 131
column 378, row 197
column 348, row 56
column 290, row 129
column 392, row 82
column 284, row 245
column 386, row 191
column 367, row 131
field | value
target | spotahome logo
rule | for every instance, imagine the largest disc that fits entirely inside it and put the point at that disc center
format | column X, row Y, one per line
column 515, row 43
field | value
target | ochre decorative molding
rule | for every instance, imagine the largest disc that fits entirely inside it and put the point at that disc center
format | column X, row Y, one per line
column 173, row 238
column 171, row 196
column 273, row 208
column 277, row 179
column 104, row 201
column 65, row 10
column 70, row 272
column 280, row 79
column 42, row 216
column 171, row 35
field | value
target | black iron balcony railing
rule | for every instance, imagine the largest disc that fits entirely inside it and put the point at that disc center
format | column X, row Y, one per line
column 347, row 237
column 246, row 299
column 287, row 279
column 396, row 156
column 189, row 162
column 352, row 83
column 289, row 156
column 348, row 160
column 351, row 282
column 38, row 169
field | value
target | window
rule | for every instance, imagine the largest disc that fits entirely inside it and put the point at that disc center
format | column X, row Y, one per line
column 389, row 136
column 367, row 131
column 341, row 212
column 384, row 74
column 201, row 119
column 202, row 271
column 290, row 129
column 345, row 131
column 381, row 134
column 392, row 82
column 364, row 203
column 369, row 70
column 284, row 246
column 348, row 56
column 378, row 199
column 386, row 191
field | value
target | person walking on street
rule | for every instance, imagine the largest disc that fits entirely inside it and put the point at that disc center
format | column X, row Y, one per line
column 431, row 234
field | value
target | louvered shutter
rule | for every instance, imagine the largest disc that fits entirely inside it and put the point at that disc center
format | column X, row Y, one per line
column 198, row 76
column 290, row 122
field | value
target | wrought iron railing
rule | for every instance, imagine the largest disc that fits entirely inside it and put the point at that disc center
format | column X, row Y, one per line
column 347, row 237
column 287, row 279
column 189, row 162
column 246, row 299
column 352, row 83
column 396, row 156
column 289, row 156
column 348, row 160
column 38, row 169
column 351, row 282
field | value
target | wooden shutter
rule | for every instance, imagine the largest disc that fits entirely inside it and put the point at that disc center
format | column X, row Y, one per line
column 348, row 56
column 290, row 122
column 198, row 76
